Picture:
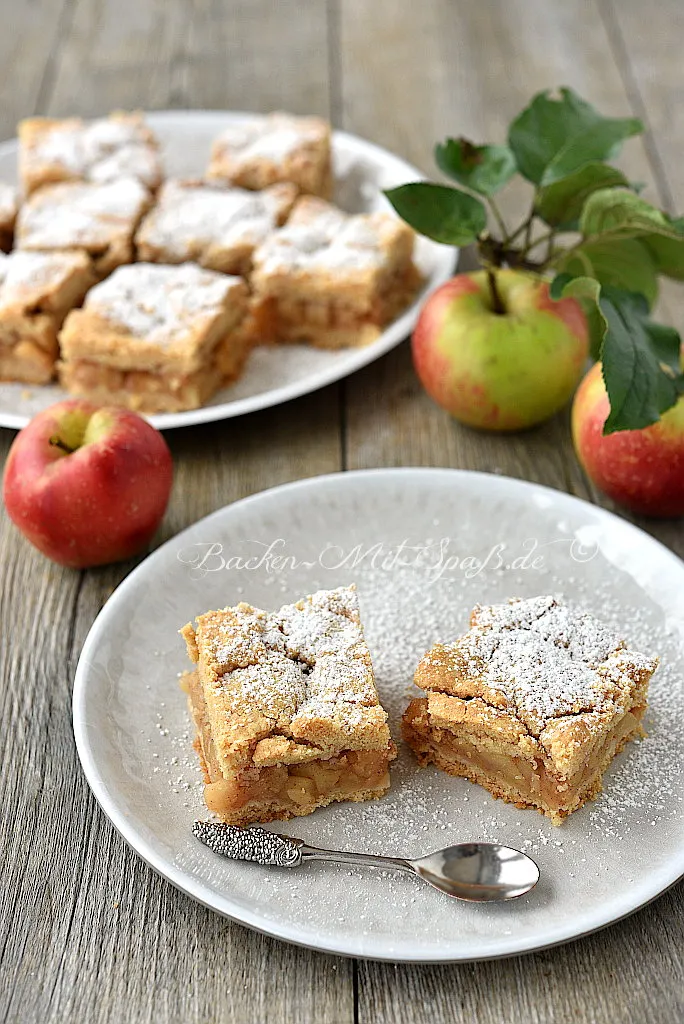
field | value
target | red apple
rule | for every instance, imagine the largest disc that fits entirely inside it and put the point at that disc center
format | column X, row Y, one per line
column 86, row 484
column 503, row 370
column 640, row 469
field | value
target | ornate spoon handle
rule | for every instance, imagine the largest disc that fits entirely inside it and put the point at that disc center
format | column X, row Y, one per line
column 267, row 848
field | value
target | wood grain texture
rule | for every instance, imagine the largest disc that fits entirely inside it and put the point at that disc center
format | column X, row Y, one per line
column 87, row 932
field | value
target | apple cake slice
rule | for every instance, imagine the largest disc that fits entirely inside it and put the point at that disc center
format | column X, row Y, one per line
column 533, row 703
column 285, row 708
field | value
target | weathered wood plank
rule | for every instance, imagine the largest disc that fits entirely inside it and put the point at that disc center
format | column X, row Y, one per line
column 467, row 69
column 30, row 34
column 89, row 932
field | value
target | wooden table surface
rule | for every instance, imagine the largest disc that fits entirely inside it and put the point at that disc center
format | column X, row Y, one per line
column 87, row 932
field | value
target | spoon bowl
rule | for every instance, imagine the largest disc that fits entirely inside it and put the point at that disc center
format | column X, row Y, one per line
column 478, row 872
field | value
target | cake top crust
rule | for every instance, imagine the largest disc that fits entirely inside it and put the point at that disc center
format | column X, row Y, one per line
column 271, row 137
column 192, row 215
column 303, row 672
column 160, row 304
column 539, row 660
column 103, row 150
column 321, row 238
column 31, row 281
column 81, row 215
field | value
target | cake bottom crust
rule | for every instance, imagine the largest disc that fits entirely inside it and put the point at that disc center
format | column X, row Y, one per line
column 515, row 780
column 149, row 391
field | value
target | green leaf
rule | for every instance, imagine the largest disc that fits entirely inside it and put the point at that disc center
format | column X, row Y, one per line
column 668, row 253
column 625, row 263
column 587, row 291
column 622, row 214
column 444, row 214
column 554, row 137
column 484, row 169
column 560, row 204
column 634, row 350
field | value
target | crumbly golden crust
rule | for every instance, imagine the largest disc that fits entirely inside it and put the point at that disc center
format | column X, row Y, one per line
column 156, row 338
column 539, row 685
column 277, row 147
column 334, row 279
column 216, row 226
column 301, row 674
column 119, row 146
column 153, row 317
column 99, row 219
column 285, row 708
column 36, row 292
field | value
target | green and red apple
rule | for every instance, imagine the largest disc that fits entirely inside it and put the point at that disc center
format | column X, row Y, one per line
column 640, row 469
column 87, row 485
column 500, row 370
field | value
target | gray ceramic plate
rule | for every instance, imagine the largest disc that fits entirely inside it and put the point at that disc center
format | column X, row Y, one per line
column 273, row 375
column 423, row 546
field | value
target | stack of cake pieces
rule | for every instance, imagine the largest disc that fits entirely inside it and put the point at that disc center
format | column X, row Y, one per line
column 166, row 338
column 533, row 703
column 285, row 707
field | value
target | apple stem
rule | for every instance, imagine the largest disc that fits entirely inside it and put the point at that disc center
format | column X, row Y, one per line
column 57, row 442
column 497, row 303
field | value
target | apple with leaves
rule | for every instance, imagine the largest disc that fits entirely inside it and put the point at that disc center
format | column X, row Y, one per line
column 482, row 358
column 500, row 357
column 640, row 469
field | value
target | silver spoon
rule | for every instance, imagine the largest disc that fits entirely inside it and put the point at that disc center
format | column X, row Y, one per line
column 477, row 872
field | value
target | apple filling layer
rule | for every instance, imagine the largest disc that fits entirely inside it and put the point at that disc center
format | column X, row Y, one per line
column 525, row 782
column 338, row 322
column 149, row 391
column 258, row 793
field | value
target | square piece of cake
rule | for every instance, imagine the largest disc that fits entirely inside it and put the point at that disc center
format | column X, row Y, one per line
column 334, row 279
column 533, row 703
column 156, row 338
column 216, row 226
column 9, row 204
column 37, row 290
column 119, row 146
column 286, row 710
column 97, row 219
column 276, row 147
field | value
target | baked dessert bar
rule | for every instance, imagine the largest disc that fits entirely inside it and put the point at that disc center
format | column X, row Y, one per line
column 276, row 147
column 9, row 203
column 286, row 709
column 119, row 146
column 37, row 290
column 97, row 219
column 216, row 226
column 156, row 338
column 333, row 279
column 533, row 703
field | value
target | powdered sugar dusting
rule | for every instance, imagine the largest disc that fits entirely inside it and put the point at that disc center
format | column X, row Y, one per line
column 74, row 214
column 329, row 240
column 161, row 304
column 548, row 660
column 27, row 278
column 307, row 660
column 274, row 138
column 98, row 151
column 188, row 216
